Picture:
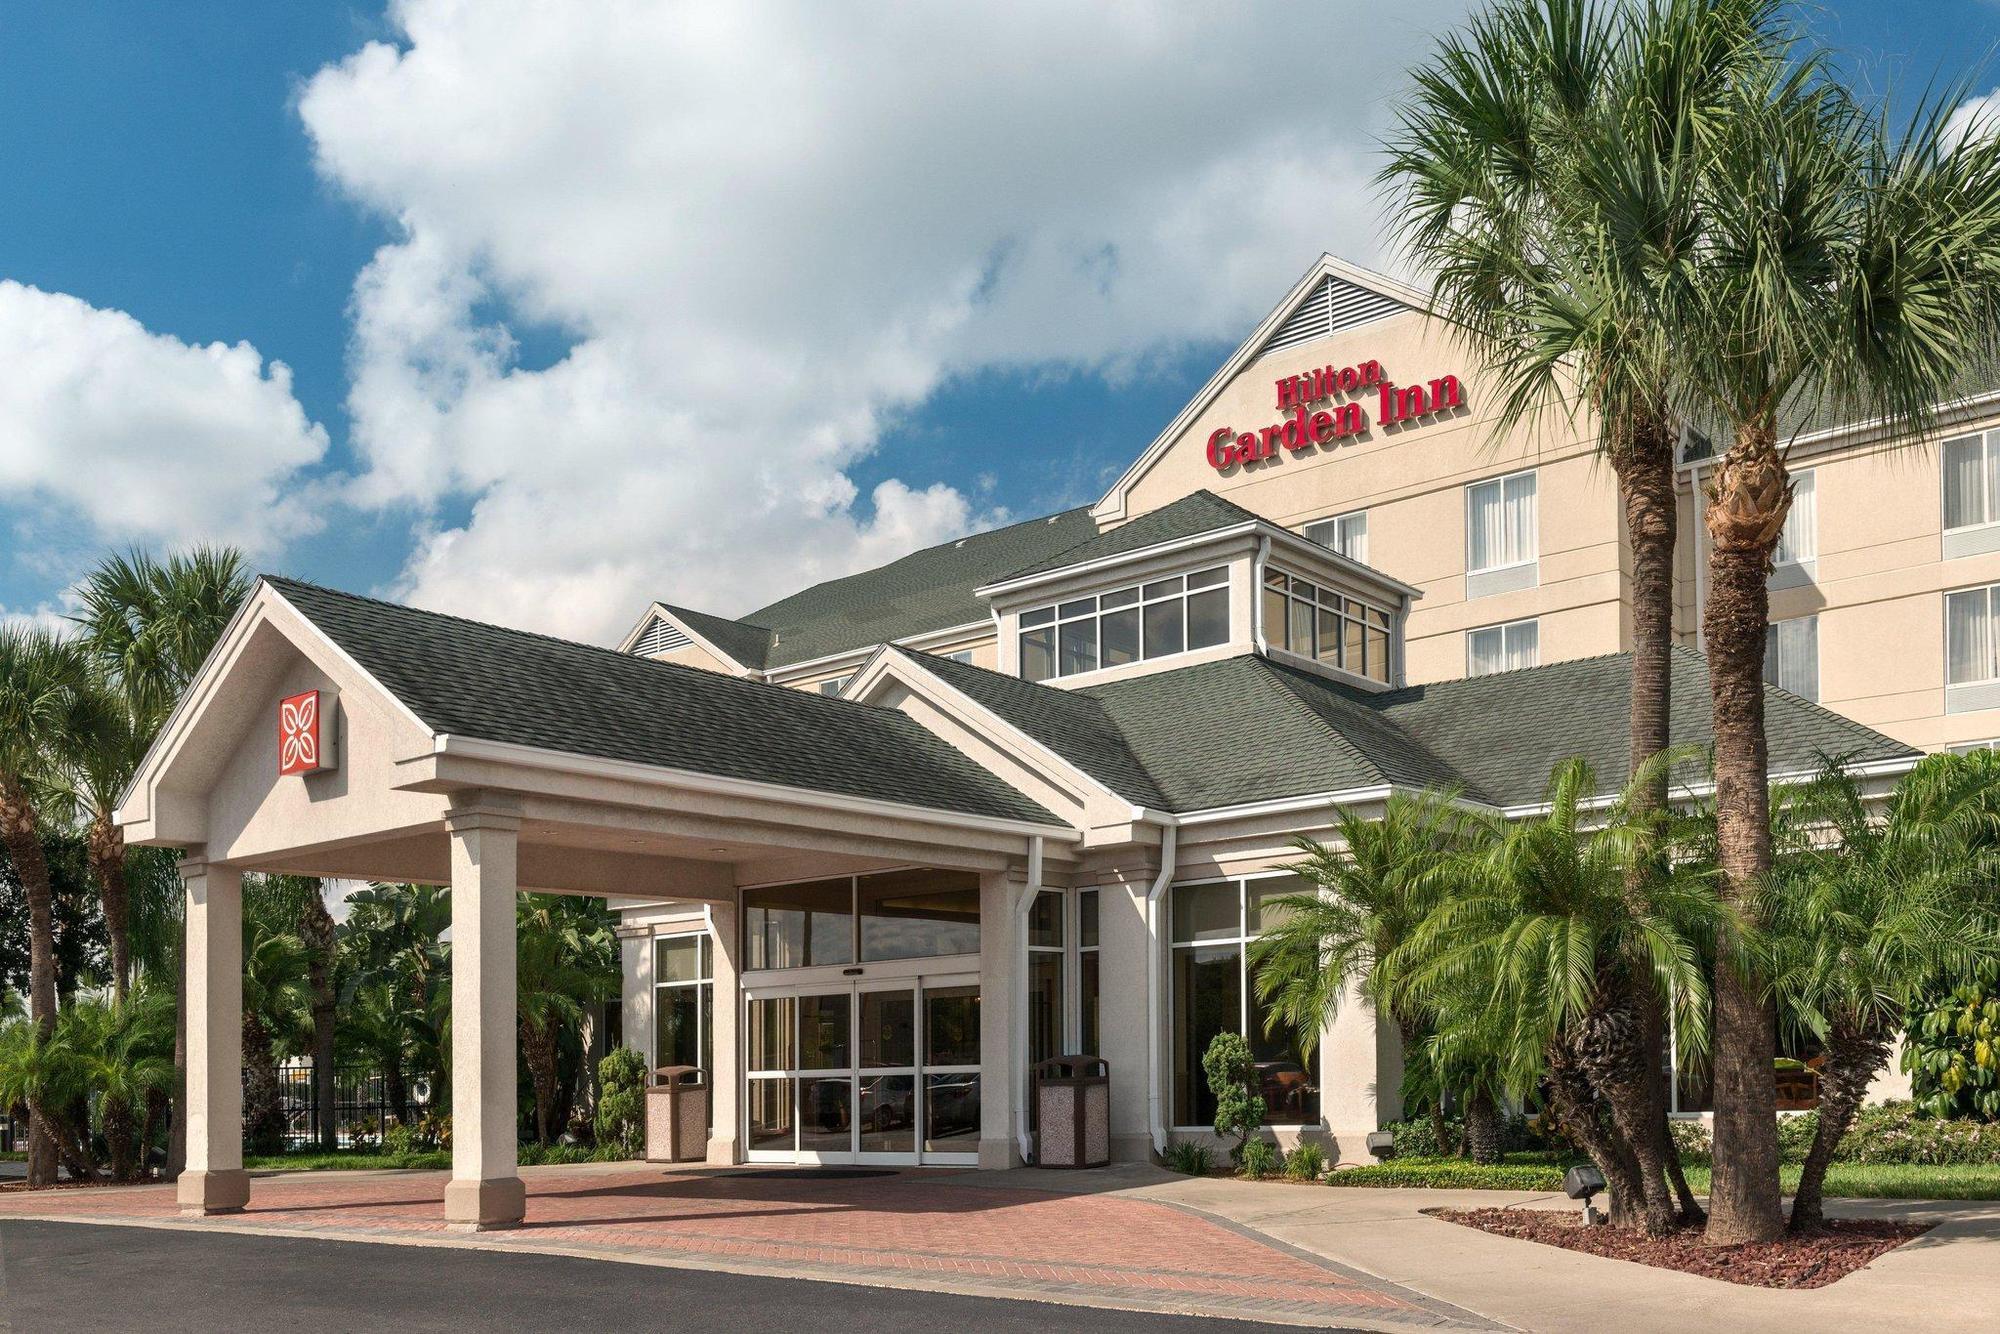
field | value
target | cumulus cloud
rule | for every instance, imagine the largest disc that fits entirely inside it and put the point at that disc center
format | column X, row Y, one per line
column 1975, row 115
column 112, row 433
column 763, row 231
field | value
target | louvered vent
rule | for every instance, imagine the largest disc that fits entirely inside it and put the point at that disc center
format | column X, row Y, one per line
column 1332, row 306
column 659, row 636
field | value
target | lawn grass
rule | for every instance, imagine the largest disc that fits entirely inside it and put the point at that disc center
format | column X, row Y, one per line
column 1526, row 1171
column 347, row 1161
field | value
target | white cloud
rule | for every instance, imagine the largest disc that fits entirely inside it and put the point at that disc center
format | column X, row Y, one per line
column 770, row 228
column 1975, row 115
column 112, row 433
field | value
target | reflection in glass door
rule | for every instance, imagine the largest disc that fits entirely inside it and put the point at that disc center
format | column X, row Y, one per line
column 879, row 1072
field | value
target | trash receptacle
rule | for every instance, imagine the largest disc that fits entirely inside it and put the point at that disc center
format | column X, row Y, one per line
column 1073, row 1112
column 677, row 1115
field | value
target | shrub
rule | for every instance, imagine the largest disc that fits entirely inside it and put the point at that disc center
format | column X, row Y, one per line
column 1451, row 1174
column 1417, row 1137
column 1259, row 1159
column 435, row 1129
column 1239, row 1107
column 361, row 1136
column 1898, row 1132
column 621, row 1101
column 1694, row 1141
column 1306, row 1163
column 1192, row 1159
column 1951, row 1050
column 401, row 1139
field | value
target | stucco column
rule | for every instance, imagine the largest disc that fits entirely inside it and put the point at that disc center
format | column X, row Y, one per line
column 1361, row 1075
column 214, row 1181
column 725, row 1079
column 485, row 1190
column 1124, row 955
column 1002, row 1046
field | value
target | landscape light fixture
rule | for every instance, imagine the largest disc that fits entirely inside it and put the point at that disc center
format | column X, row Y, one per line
column 1582, row 1183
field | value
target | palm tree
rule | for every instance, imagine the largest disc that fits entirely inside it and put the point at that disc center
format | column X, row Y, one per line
column 378, row 1024
column 124, row 1046
column 392, row 934
column 1866, row 913
column 148, row 626
column 1847, row 265
column 88, row 778
column 41, row 682
column 276, row 995
column 1533, row 947
column 1370, row 892
column 566, row 958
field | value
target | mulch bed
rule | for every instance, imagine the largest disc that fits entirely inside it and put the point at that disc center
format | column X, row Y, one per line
column 1813, row 1261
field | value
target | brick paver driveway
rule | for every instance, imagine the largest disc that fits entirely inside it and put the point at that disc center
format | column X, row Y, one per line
column 925, row 1229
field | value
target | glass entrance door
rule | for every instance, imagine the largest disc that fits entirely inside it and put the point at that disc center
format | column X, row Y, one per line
column 874, row 1072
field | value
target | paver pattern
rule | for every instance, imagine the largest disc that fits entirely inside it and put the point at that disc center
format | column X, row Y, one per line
column 911, row 1228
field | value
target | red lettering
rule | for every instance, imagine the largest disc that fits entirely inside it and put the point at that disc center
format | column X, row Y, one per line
column 1410, row 402
column 1246, row 448
column 1289, row 392
column 1444, row 393
column 1371, row 374
column 1221, row 454
column 1389, row 414
column 1350, row 380
column 1296, row 433
column 1353, row 420
column 1322, row 427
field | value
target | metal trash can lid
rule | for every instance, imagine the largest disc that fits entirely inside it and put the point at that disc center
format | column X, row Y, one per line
column 1073, row 1067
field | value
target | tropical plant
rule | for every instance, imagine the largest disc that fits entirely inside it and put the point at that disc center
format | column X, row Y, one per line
column 1306, row 1162
column 1259, row 1159
column 1531, row 955
column 565, row 958
column 621, row 1100
column 393, row 935
column 1231, row 1074
column 1189, row 1158
column 277, row 1002
column 124, row 1047
column 1863, row 912
column 1951, row 1047
column 42, row 680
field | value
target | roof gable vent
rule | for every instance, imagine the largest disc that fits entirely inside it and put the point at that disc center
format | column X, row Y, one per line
column 660, row 636
column 1335, row 304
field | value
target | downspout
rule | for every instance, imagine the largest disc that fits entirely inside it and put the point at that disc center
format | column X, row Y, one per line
column 1156, row 1117
column 1024, row 1083
column 1257, row 568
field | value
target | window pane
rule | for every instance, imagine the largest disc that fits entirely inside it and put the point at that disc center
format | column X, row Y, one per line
column 1039, row 616
column 1120, row 631
column 1800, row 539
column 826, row 1115
column 1328, row 647
column 1274, row 617
column 1124, row 597
column 771, row 1113
column 1079, row 647
column 1378, row 655
column 1260, row 900
column 889, row 1114
column 1045, row 1009
column 918, row 914
column 1207, row 999
column 888, row 1028
column 1038, row 654
column 1520, row 505
column 1992, row 476
column 1484, row 538
column 1162, row 588
column 951, row 1113
column 1206, row 912
column 1791, row 656
column 677, row 1012
column 769, row 1033
column 1484, row 651
column 1088, row 987
column 1208, row 578
column 1086, row 913
column 823, row 1031
column 1164, row 631
column 1080, row 607
column 677, row 959
column 1302, row 632
column 1964, row 483
column 1523, row 644
column 1045, row 920
column 1353, row 654
column 795, row 926
column 1284, row 1076
column 951, row 1026
column 1353, row 540
column 1969, row 648
column 1208, row 618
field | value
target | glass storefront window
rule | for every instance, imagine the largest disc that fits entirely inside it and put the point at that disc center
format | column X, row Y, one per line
column 888, row 1029
column 823, row 1031
column 797, row 926
column 918, row 914
column 1213, row 992
column 951, row 1025
column 951, row 1113
column 683, row 1001
column 1087, row 977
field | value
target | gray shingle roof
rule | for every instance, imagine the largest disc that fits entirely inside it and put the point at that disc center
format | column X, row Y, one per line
column 924, row 592
column 1246, row 729
column 471, row 679
column 749, row 644
column 1190, row 516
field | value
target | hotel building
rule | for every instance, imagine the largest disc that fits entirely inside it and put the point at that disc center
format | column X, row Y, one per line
column 882, row 845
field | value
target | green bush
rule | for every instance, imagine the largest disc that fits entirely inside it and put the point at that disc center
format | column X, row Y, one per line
column 1306, row 1163
column 1694, row 1141
column 1239, row 1107
column 1898, row 1132
column 1451, row 1174
column 1417, row 1137
column 621, row 1101
column 1951, row 1050
column 1189, row 1158
column 1260, row 1158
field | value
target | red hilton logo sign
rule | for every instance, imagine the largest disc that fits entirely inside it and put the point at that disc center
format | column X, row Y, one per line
column 1306, row 427
column 305, row 745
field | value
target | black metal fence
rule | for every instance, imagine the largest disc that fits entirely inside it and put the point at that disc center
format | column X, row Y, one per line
column 13, row 1137
column 361, row 1107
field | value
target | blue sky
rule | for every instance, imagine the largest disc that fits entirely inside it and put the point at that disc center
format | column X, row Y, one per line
column 509, row 262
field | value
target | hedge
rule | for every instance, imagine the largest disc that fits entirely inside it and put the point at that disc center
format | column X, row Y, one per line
column 1451, row 1174
column 1889, row 1133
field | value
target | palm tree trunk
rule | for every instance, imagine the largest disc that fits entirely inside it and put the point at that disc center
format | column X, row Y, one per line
column 316, row 930
column 1612, row 1052
column 1482, row 1127
column 539, row 1044
column 119, row 1133
column 1852, row 1061
column 106, row 845
column 263, row 1103
column 1576, row 1107
column 1747, row 503
column 395, row 1089
column 20, row 829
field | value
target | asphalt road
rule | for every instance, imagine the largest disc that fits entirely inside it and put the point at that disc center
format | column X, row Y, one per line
column 71, row 1276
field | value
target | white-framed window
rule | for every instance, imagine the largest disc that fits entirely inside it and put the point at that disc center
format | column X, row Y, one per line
column 836, row 685
column 1500, row 523
column 1302, row 617
column 1798, row 544
column 1791, row 656
column 918, row 913
column 1503, row 648
column 1213, row 923
column 1151, row 620
column 683, row 1000
column 1048, row 982
column 1972, row 481
column 1967, row 747
column 1089, row 982
column 964, row 655
column 1345, row 533
column 1971, row 647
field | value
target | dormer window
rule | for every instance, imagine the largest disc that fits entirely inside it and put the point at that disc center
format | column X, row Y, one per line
column 1325, row 625
column 1134, row 624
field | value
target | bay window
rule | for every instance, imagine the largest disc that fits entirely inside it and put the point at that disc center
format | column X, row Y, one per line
column 1150, row 620
column 1503, row 648
column 1314, row 622
column 1214, row 991
column 1791, row 656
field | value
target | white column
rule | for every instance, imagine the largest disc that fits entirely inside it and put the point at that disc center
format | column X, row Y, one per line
column 486, row 1190
column 1002, row 1045
column 1123, row 956
column 725, row 1078
column 214, row 1181
column 1361, row 1074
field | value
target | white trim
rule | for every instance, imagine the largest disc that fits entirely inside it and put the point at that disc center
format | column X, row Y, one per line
column 659, row 775
column 1112, row 506
column 1825, row 437
column 859, row 656
column 661, row 610
column 1691, row 791
column 1156, row 1115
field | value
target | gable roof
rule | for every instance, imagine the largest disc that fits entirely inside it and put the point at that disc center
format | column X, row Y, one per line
column 748, row 644
column 922, row 593
column 1247, row 729
column 1192, row 515
column 467, row 678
